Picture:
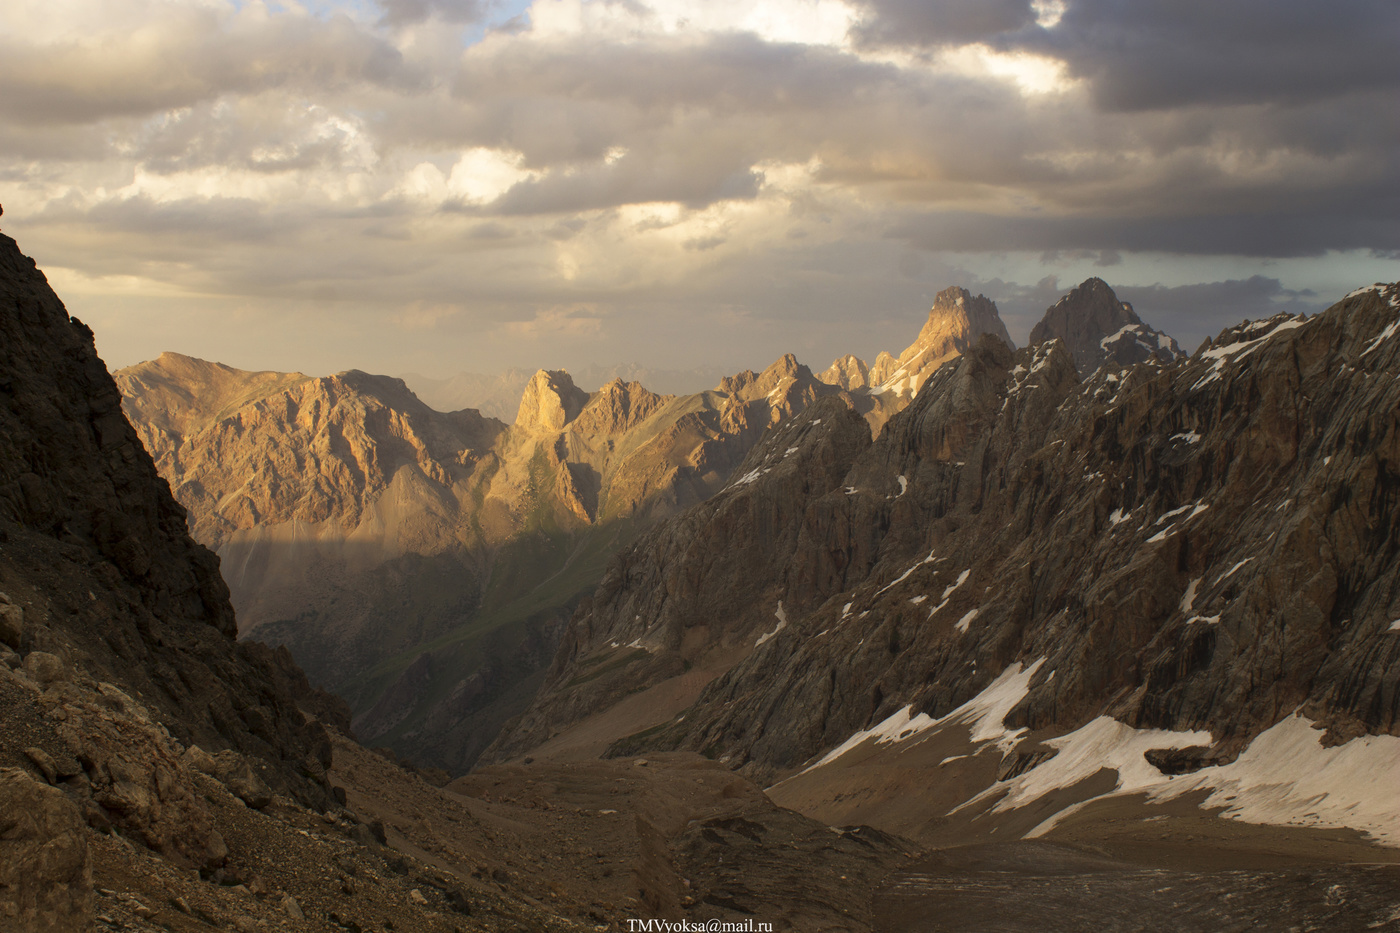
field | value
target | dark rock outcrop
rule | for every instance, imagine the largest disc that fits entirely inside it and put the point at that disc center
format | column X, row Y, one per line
column 702, row 589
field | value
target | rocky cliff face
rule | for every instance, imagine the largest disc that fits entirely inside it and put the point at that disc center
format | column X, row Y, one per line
column 1099, row 329
column 356, row 525
column 1149, row 568
column 117, row 646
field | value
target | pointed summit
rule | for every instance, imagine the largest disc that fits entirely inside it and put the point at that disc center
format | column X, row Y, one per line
column 551, row 400
column 1099, row 329
column 848, row 372
column 955, row 322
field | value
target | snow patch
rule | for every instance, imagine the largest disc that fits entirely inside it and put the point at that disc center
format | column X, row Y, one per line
column 1118, row 516
column 903, row 485
column 1241, row 348
column 1103, row 742
column 1190, row 437
column 1195, row 508
column 1189, row 597
column 965, row 621
column 1125, row 329
column 782, row 624
column 749, row 477
column 1208, row 620
column 918, row 599
column 1286, row 778
column 1394, row 626
column 1383, row 336
column 1283, row 778
column 962, row 578
column 1231, row 572
column 984, row 714
column 904, row 576
column 1378, row 288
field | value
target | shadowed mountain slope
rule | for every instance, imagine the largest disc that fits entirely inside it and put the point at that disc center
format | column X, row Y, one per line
column 1153, row 570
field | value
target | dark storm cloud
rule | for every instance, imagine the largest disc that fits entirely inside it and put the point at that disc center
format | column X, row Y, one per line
column 1151, row 54
column 1281, row 233
column 939, row 22
column 631, row 87
column 1192, row 312
column 194, row 221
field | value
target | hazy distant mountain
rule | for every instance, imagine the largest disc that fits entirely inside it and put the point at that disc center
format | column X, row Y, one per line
column 497, row 395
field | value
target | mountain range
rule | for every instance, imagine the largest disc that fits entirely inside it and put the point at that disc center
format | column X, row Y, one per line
column 422, row 564
column 1064, row 596
column 1085, row 634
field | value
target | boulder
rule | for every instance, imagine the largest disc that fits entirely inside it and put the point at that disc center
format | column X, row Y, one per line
column 44, row 668
column 11, row 622
column 45, row 867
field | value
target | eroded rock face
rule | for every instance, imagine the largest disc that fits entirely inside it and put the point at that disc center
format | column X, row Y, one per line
column 848, row 372
column 97, row 557
column 955, row 322
column 45, row 870
column 1209, row 544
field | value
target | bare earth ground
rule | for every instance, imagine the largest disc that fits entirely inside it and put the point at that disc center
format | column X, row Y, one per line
column 1043, row 886
column 588, row 844
column 674, row 836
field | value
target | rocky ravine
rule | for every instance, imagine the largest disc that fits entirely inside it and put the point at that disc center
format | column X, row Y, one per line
column 420, row 563
column 1168, row 579
column 155, row 776
column 423, row 564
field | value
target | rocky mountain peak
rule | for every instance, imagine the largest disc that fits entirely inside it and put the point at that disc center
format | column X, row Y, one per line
column 1099, row 329
column 848, row 372
column 955, row 322
column 617, row 407
column 957, row 313
column 551, row 400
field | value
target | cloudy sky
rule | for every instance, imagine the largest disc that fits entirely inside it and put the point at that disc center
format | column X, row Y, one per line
column 448, row 185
